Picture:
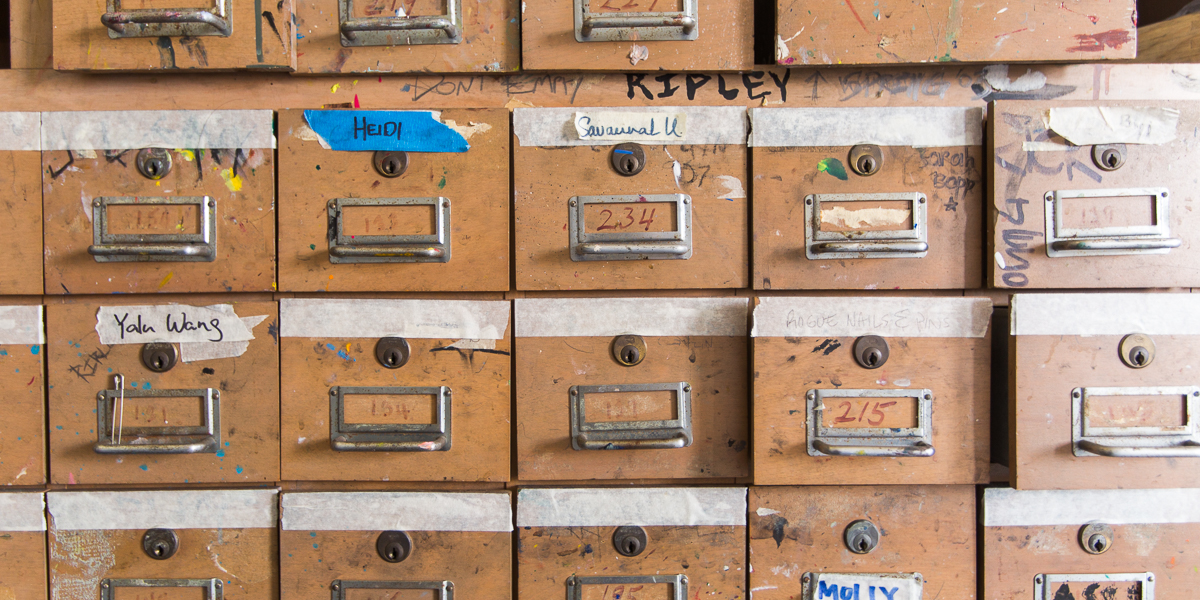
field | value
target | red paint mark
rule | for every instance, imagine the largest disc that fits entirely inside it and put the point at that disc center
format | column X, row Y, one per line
column 1012, row 32
column 855, row 13
column 1096, row 42
column 789, row 60
column 1093, row 18
column 356, row 101
column 71, row 478
column 31, row 380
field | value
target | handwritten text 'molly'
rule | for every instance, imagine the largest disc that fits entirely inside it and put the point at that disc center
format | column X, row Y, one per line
column 180, row 324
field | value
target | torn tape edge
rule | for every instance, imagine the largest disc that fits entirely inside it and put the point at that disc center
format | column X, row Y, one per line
column 1104, row 314
column 20, row 131
column 1006, row 507
column 22, row 511
column 22, row 337
column 410, row 511
column 294, row 324
column 131, row 128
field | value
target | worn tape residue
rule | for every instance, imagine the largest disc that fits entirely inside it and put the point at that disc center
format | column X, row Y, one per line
column 394, row 130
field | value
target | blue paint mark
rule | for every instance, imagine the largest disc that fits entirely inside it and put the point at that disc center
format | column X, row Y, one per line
column 342, row 354
column 35, row 349
column 110, row 370
column 226, row 444
column 146, row 386
column 220, row 453
column 331, row 346
column 620, row 151
column 315, row 545
column 312, row 534
column 3, row 352
column 58, row 427
column 405, row 88
column 144, row 467
column 299, row 37
column 239, row 469
column 395, row 130
column 135, row 385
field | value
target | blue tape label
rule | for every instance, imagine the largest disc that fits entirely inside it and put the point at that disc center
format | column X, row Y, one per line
column 396, row 130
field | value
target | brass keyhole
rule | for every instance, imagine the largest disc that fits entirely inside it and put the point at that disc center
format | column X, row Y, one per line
column 1139, row 356
column 866, row 164
column 1136, row 350
column 861, row 536
column 630, row 355
column 393, row 546
column 870, row 351
column 1109, row 157
column 1096, row 538
column 872, row 357
column 159, row 357
column 628, row 159
column 1098, row 543
column 628, row 350
column 159, row 544
column 865, row 159
column 629, row 540
column 392, row 353
column 153, row 163
column 390, row 164
column 632, row 546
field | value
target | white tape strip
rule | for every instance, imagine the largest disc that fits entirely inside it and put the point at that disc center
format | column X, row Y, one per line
column 409, row 511
column 1105, row 314
column 22, row 511
column 922, row 127
column 1004, row 507
column 705, row 125
column 647, row 507
column 643, row 127
column 20, row 131
column 136, row 129
column 197, row 351
column 21, row 325
column 892, row 317
column 198, row 509
column 587, row 317
column 1088, row 125
column 170, row 323
column 428, row 319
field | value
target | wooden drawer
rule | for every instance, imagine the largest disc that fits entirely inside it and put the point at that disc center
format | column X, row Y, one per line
column 207, row 225
column 871, row 390
column 678, row 220
column 1089, row 543
column 474, row 36
column 396, row 545
column 215, row 35
column 903, row 32
column 346, row 225
column 1086, row 413
column 211, row 417
column 22, row 396
column 23, row 541
column 678, row 410
column 1066, row 218
column 114, row 545
column 20, row 163
column 610, row 544
column 904, row 211
column 396, row 390
column 801, row 539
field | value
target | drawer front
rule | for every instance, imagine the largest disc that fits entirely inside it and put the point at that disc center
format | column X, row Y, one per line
column 906, row 407
column 117, row 417
column 22, row 396
column 867, row 35
column 348, row 225
column 867, row 198
column 605, row 214
column 20, row 136
column 1106, row 211
column 219, row 35
column 385, row 400
column 23, row 523
column 906, row 538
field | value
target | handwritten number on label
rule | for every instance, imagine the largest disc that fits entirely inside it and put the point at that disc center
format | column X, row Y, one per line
column 873, row 420
column 647, row 219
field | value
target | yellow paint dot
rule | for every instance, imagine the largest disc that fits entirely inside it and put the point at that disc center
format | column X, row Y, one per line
column 334, row 89
column 166, row 279
column 233, row 182
column 355, row 82
column 186, row 154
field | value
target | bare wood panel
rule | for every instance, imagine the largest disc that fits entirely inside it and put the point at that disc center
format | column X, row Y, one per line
column 478, row 563
column 714, row 366
column 21, row 209
column 261, row 39
column 491, row 40
column 1045, row 370
column 1019, row 229
column 29, row 33
column 545, row 179
column 475, row 182
column 246, row 561
column 242, row 182
column 1173, row 40
column 23, row 569
column 956, row 370
column 80, row 367
column 950, row 178
column 712, row 557
column 859, row 32
column 479, row 409
column 23, row 413
column 925, row 529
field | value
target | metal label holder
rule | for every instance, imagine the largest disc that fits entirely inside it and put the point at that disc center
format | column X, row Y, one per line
column 398, row 30
column 631, row 435
column 168, row 22
column 442, row 590
column 1063, row 241
column 213, row 590
column 914, row 583
column 1045, row 586
column 678, row 583
column 896, row 243
column 433, row 248
column 389, row 437
column 640, row 245
column 899, row 442
column 1181, row 441
column 201, row 439
column 154, row 247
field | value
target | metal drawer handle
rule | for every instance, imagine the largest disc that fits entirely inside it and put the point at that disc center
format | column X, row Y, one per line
column 1130, row 245
column 1181, row 441
column 820, row 244
column 631, row 435
column 442, row 590
column 667, row 248
column 168, row 22
column 390, row 437
column 885, row 442
column 632, row 245
column 381, row 31
column 918, row 449
column 351, row 28
column 683, row 25
column 678, row 583
column 358, row 249
column 1183, row 450
column 591, row 22
column 213, row 590
column 154, row 247
column 1064, row 240
column 883, row 247
column 112, row 437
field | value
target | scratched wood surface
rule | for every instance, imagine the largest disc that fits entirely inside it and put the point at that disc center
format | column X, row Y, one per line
column 23, row 568
column 1173, row 40
column 545, row 179
column 480, row 409
column 21, row 208
column 902, row 31
column 725, row 41
column 23, row 413
column 476, row 183
column 80, row 366
column 1013, row 556
column 491, row 39
column 478, row 563
column 1022, row 178
column 716, row 368
column 1045, row 370
column 926, row 529
column 260, row 40
column 30, row 30
column 242, row 182
column 246, row 561
column 712, row 557
column 951, row 179
column 956, row 370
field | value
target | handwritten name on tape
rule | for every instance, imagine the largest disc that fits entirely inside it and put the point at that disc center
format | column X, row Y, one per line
column 854, row 316
column 631, row 126
column 846, row 586
column 170, row 323
column 1088, row 125
column 389, row 130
